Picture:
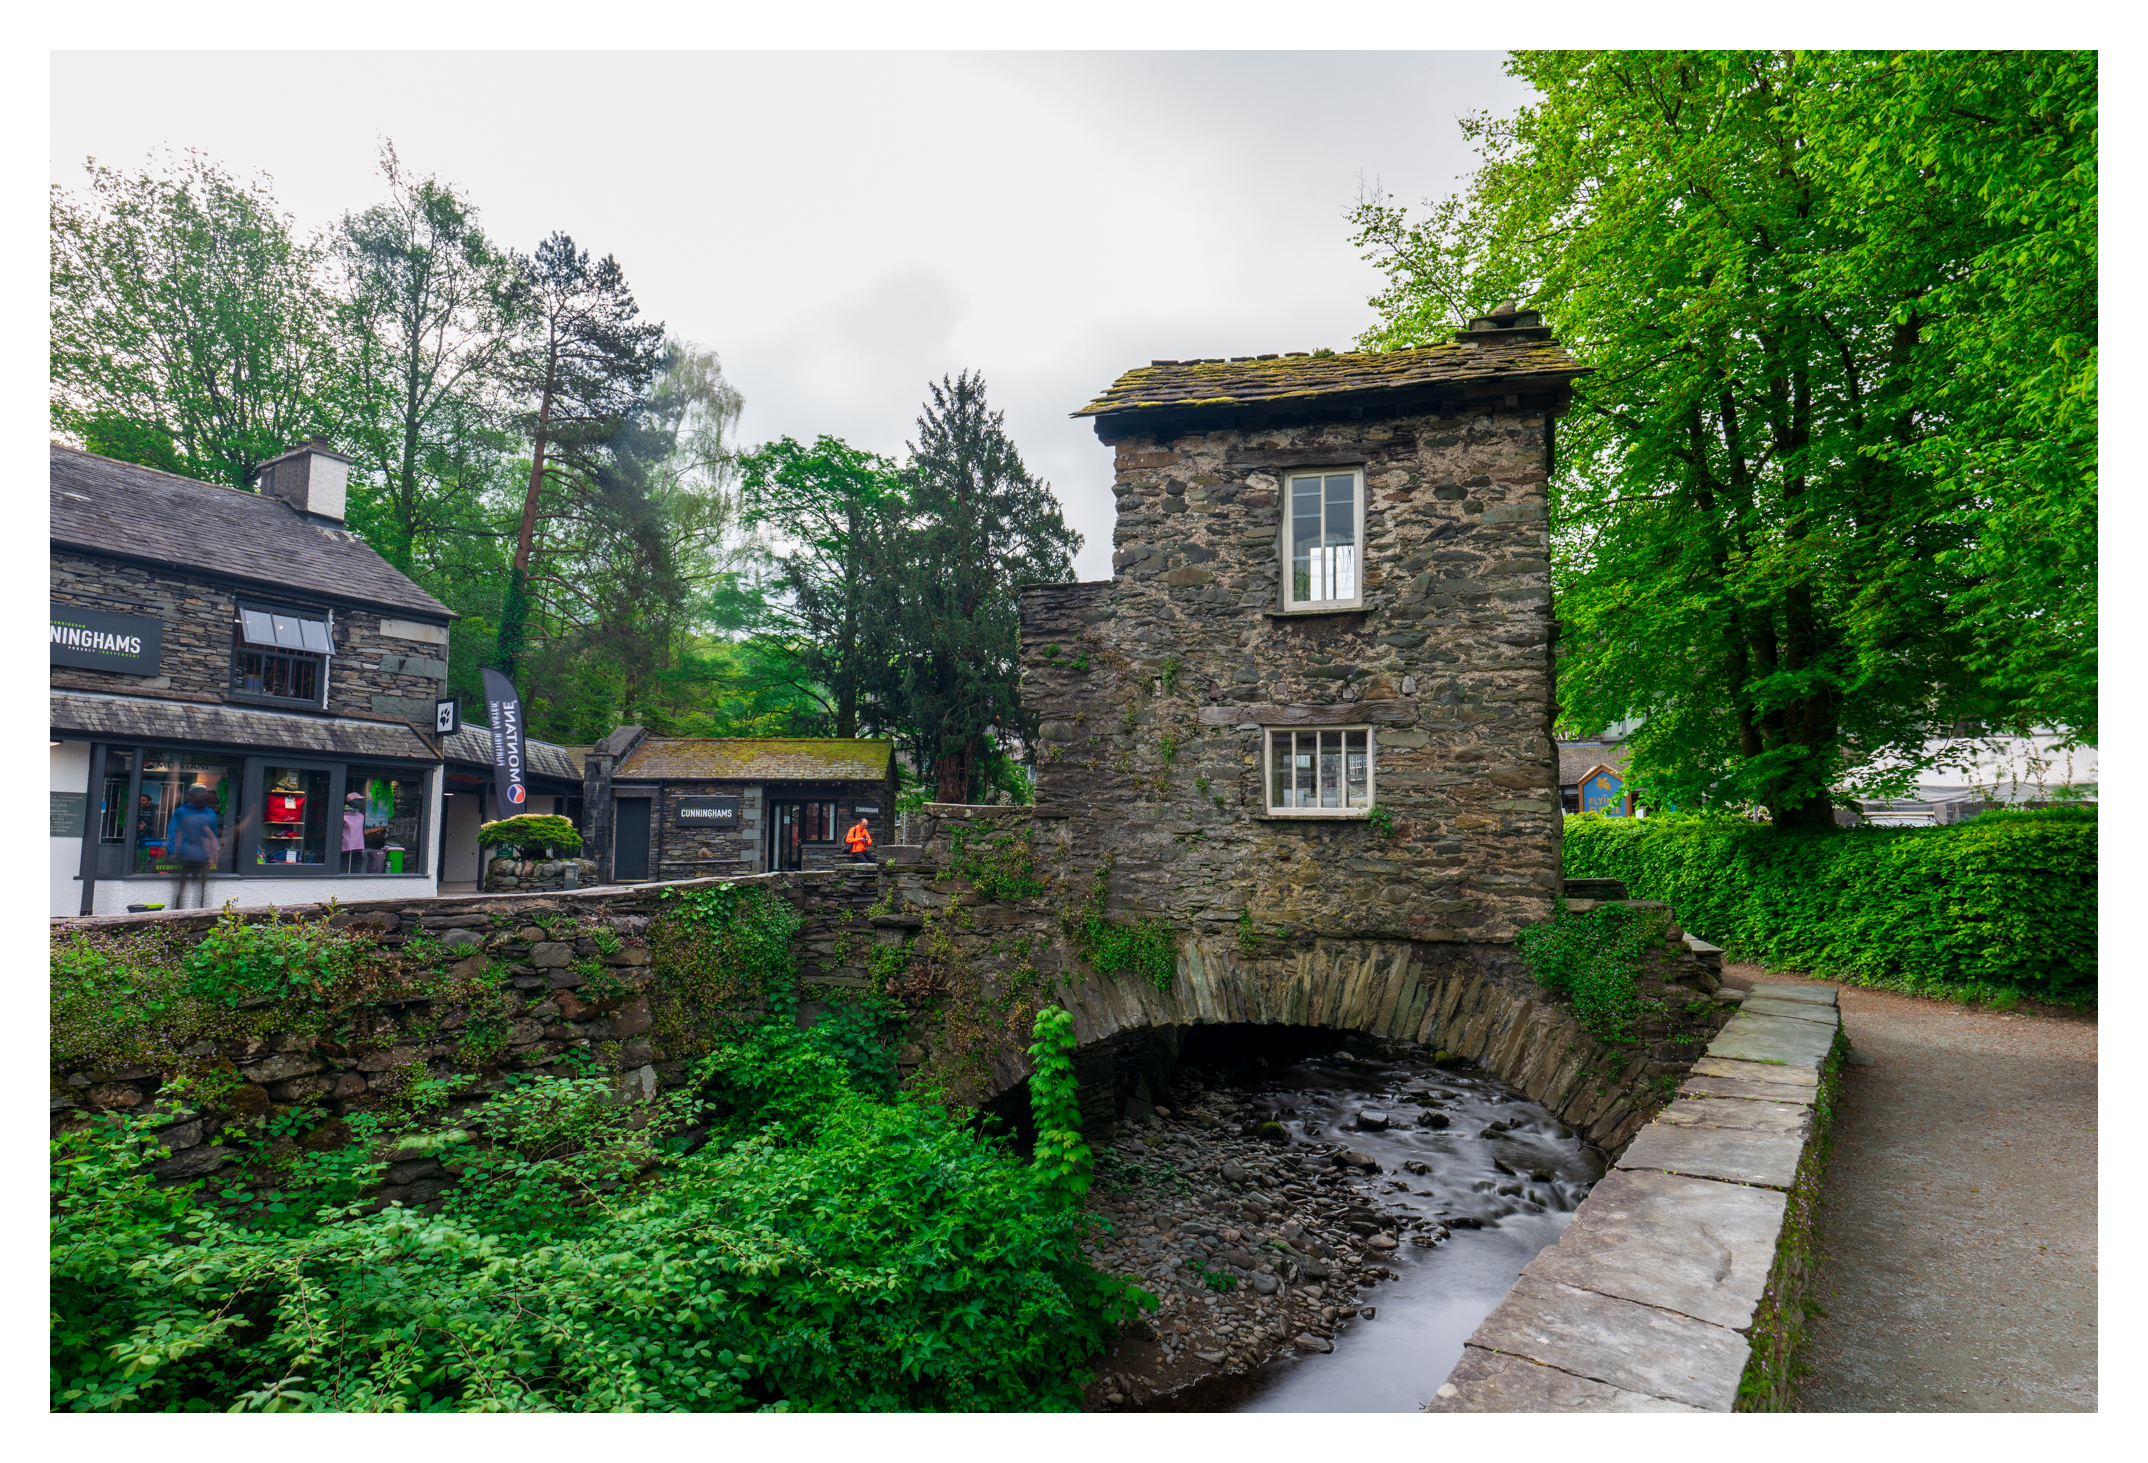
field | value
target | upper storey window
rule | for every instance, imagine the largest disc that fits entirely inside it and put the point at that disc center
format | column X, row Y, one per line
column 280, row 655
column 1325, row 537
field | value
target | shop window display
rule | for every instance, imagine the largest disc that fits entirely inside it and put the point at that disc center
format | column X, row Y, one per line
column 379, row 832
column 166, row 778
column 294, row 816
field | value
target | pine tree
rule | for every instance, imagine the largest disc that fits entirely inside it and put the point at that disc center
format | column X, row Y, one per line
column 582, row 367
column 979, row 527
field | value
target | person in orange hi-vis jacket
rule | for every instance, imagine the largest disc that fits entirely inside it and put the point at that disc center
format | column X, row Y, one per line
column 860, row 839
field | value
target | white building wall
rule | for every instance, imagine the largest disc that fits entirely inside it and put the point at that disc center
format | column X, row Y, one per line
column 70, row 773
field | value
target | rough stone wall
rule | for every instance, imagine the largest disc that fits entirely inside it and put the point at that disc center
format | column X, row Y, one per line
column 700, row 852
column 381, row 1047
column 1152, row 687
column 372, row 674
column 1473, row 999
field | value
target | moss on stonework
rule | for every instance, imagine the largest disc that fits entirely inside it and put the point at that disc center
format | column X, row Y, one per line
column 1777, row 1334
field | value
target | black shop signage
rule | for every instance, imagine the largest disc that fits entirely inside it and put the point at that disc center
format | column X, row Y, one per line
column 94, row 640
column 717, row 812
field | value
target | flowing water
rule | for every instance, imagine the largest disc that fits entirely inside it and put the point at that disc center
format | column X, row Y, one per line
column 1501, row 1176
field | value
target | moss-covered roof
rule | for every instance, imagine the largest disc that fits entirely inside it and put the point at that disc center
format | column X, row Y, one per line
column 1486, row 360
column 758, row 759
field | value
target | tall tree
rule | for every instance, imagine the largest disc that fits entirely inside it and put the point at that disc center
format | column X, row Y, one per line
column 426, row 310
column 191, row 329
column 581, row 368
column 978, row 526
column 1792, row 529
column 838, row 509
column 635, row 533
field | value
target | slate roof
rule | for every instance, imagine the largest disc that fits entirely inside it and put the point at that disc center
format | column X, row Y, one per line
column 758, row 759
column 1577, row 759
column 1282, row 380
column 147, row 719
column 101, row 505
column 546, row 759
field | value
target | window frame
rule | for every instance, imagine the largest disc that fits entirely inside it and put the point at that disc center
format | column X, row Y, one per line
column 1269, row 808
column 234, row 688
column 1285, row 585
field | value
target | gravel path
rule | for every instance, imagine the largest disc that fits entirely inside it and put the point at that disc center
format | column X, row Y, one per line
column 1958, row 1220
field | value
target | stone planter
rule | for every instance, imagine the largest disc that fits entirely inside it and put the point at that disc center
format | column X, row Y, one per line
column 521, row 875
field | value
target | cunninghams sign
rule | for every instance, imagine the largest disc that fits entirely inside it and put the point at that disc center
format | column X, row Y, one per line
column 94, row 640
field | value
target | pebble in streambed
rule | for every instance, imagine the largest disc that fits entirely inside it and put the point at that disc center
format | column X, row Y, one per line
column 1260, row 1206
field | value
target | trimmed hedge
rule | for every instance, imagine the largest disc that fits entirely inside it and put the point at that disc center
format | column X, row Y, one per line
column 2004, row 904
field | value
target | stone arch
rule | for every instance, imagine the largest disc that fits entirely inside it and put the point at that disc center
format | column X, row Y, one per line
column 1472, row 1000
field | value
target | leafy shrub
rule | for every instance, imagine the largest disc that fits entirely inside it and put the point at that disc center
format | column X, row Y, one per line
column 829, row 1248
column 2004, row 904
column 531, row 830
column 238, row 961
column 1592, row 958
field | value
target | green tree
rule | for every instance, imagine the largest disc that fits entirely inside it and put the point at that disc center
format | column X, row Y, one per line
column 581, row 367
column 1830, row 488
column 635, row 533
column 839, row 508
column 978, row 525
column 425, row 311
column 191, row 329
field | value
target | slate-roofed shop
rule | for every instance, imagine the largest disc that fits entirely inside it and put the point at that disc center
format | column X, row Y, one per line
column 250, row 644
column 692, row 807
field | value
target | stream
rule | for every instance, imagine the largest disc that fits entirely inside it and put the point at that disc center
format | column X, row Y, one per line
column 1473, row 1179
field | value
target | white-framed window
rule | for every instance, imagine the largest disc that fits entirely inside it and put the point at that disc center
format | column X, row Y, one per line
column 1323, row 538
column 1320, row 770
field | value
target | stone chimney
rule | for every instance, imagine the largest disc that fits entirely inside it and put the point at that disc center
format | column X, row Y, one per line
column 1507, row 322
column 311, row 477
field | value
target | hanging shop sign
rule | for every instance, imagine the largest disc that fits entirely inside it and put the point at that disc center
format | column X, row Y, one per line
column 713, row 812
column 510, row 757
column 862, row 809
column 447, row 716
column 94, row 640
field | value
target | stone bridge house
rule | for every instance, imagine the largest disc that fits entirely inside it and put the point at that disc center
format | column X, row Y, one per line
column 1307, row 726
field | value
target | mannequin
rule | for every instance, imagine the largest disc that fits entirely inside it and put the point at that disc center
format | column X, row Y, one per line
column 354, row 833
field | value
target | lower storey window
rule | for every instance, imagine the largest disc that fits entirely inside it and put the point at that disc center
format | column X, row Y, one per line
column 173, row 824
column 1329, row 770
column 270, row 815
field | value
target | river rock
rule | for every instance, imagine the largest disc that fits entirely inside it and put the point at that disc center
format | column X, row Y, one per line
column 1380, row 1242
column 1306, row 1341
column 1372, row 1120
column 1431, row 1120
column 1265, row 1284
column 1354, row 1158
column 1416, row 1166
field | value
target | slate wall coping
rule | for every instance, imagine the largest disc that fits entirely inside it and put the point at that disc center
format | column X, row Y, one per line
column 1649, row 1301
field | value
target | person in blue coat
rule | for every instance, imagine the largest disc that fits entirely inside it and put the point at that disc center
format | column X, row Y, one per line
column 195, row 839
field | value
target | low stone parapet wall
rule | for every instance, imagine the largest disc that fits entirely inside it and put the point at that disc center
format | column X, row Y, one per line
column 1676, row 1287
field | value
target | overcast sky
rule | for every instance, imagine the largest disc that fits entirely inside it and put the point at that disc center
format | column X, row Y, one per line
column 844, row 228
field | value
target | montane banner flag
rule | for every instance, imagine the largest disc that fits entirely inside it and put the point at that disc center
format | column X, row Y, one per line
column 509, row 757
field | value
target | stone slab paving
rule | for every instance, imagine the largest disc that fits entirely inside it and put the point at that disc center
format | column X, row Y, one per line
column 1649, row 1292
column 1639, row 1237
column 1495, row 1383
